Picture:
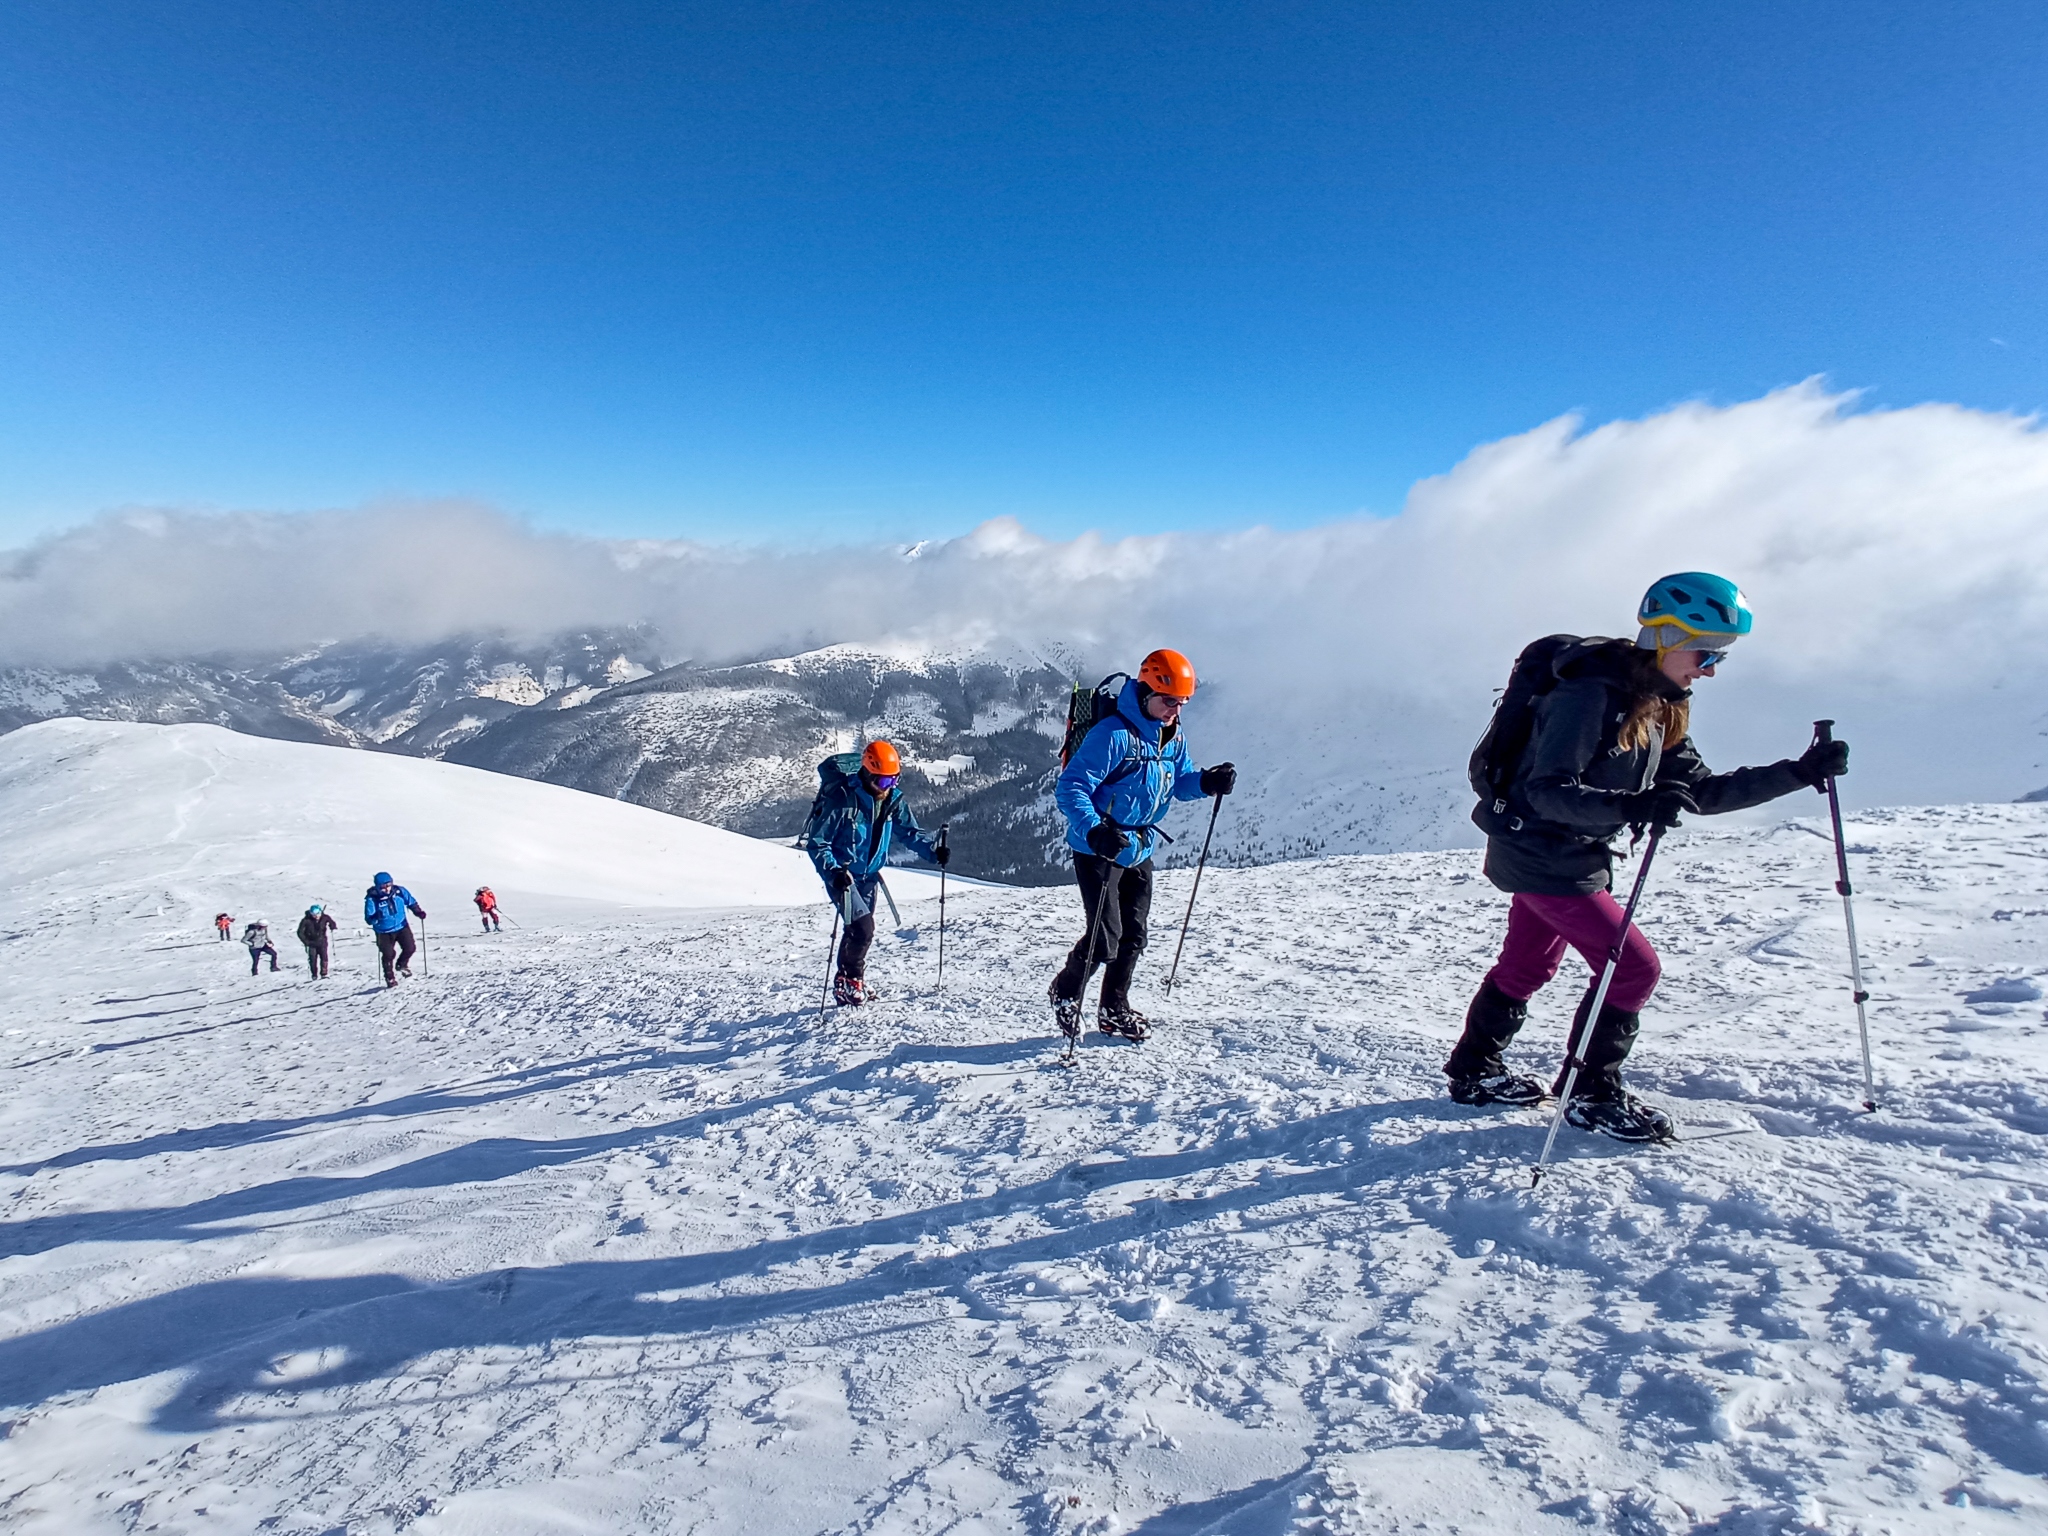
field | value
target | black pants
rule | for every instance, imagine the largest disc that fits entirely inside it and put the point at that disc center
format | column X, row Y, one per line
column 224, row 933
column 316, row 960
column 256, row 958
column 395, row 948
column 860, row 933
column 1120, row 940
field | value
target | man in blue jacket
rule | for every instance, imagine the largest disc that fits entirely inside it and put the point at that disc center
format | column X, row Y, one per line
column 384, row 907
column 1114, row 792
column 857, row 817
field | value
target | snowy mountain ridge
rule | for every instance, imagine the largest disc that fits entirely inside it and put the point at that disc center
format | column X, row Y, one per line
column 738, row 745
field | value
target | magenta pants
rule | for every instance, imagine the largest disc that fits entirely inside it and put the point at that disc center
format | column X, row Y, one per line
column 1539, row 927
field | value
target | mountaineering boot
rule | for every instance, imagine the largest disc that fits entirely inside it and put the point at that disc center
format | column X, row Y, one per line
column 1477, row 1073
column 850, row 991
column 1123, row 1019
column 1607, row 1046
column 1621, row 1115
column 1066, row 1011
column 1514, row 1089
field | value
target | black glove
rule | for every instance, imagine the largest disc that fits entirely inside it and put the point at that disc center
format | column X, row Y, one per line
column 942, row 855
column 1659, row 807
column 1220, row 780
column 839, row 882
column 1822, row 761
column 1106, row 841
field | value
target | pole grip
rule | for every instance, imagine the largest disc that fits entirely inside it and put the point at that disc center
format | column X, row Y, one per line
column 1823, row 733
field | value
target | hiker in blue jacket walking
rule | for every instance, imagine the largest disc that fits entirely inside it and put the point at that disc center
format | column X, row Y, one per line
column 858, row 815
column 384, row 907
column 1115, row 789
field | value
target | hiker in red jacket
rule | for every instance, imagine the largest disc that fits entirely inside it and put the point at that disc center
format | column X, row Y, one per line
column 487, row 905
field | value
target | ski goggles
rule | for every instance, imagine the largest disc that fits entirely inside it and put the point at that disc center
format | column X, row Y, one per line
column 884, row 780
column 1712, row 649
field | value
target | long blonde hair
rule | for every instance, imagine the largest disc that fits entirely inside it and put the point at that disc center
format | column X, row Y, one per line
column 1651, row 708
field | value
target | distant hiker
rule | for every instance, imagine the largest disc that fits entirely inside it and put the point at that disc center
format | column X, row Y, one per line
column 314, row 928
column 257, row 937
column 384, row 907
column 487, row 905
column 1592, row 736
column 856, row 818
column 1126, row 763
column 224, row 926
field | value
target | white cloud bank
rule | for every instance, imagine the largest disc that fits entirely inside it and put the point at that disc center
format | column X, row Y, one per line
column 1898, row 562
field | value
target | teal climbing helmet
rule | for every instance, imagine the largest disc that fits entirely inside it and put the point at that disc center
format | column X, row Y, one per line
column 1697, row 603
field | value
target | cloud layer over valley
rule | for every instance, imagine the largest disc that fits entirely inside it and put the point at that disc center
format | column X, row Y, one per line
column 1898, row 562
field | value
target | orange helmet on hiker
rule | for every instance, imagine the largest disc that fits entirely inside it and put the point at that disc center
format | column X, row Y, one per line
column 1168, row 672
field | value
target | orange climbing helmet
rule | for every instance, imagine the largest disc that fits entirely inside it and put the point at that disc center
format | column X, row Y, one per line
column 882, row 760
column 1168, row 672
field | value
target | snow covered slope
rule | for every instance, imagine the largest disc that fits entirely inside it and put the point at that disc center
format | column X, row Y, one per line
column 199, row 817
column 601, row 1228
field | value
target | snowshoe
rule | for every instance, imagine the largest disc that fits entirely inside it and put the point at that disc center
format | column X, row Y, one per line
column 1066, row 1012
column 1125, row 1021
column 1514, row 1089
column 1621, row 1115
column 851, row 991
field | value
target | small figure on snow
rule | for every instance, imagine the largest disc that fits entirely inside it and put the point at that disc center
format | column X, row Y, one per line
column 384, row 907
column 1125, row 764
column 1592, row 736
column 855, row 820
column 487, row 906
column 257, row 937
column 314, row 928
column 224, row 926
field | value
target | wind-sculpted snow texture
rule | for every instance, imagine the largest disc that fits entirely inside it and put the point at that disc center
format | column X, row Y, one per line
column 601, row 1227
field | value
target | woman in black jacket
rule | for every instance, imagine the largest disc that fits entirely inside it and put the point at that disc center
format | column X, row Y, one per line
column 1610, row 747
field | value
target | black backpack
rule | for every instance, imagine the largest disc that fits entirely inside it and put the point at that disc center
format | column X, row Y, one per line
column 833, row 772
column 1088, row 707
column 1499, row 753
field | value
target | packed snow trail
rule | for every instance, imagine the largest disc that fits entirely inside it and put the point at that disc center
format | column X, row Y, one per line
column 600, row 1228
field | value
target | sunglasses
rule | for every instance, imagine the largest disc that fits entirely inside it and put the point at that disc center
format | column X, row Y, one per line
column 884, row 780
column 1708, row 660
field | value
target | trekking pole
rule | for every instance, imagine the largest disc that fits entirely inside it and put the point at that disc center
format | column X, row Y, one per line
column 1823, row 734
column 831, row 958
column 423, row 949
column 1214, row 811
column 894, row 916
column 1574, row 1061
column 1094, row 928
column 941, row 986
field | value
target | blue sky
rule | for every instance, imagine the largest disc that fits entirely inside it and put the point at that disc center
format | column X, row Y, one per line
column 809, row 272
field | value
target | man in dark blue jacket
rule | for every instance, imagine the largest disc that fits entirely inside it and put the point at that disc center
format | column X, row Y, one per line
column 858, row 815
column 1115, row 790
column 384, row 907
